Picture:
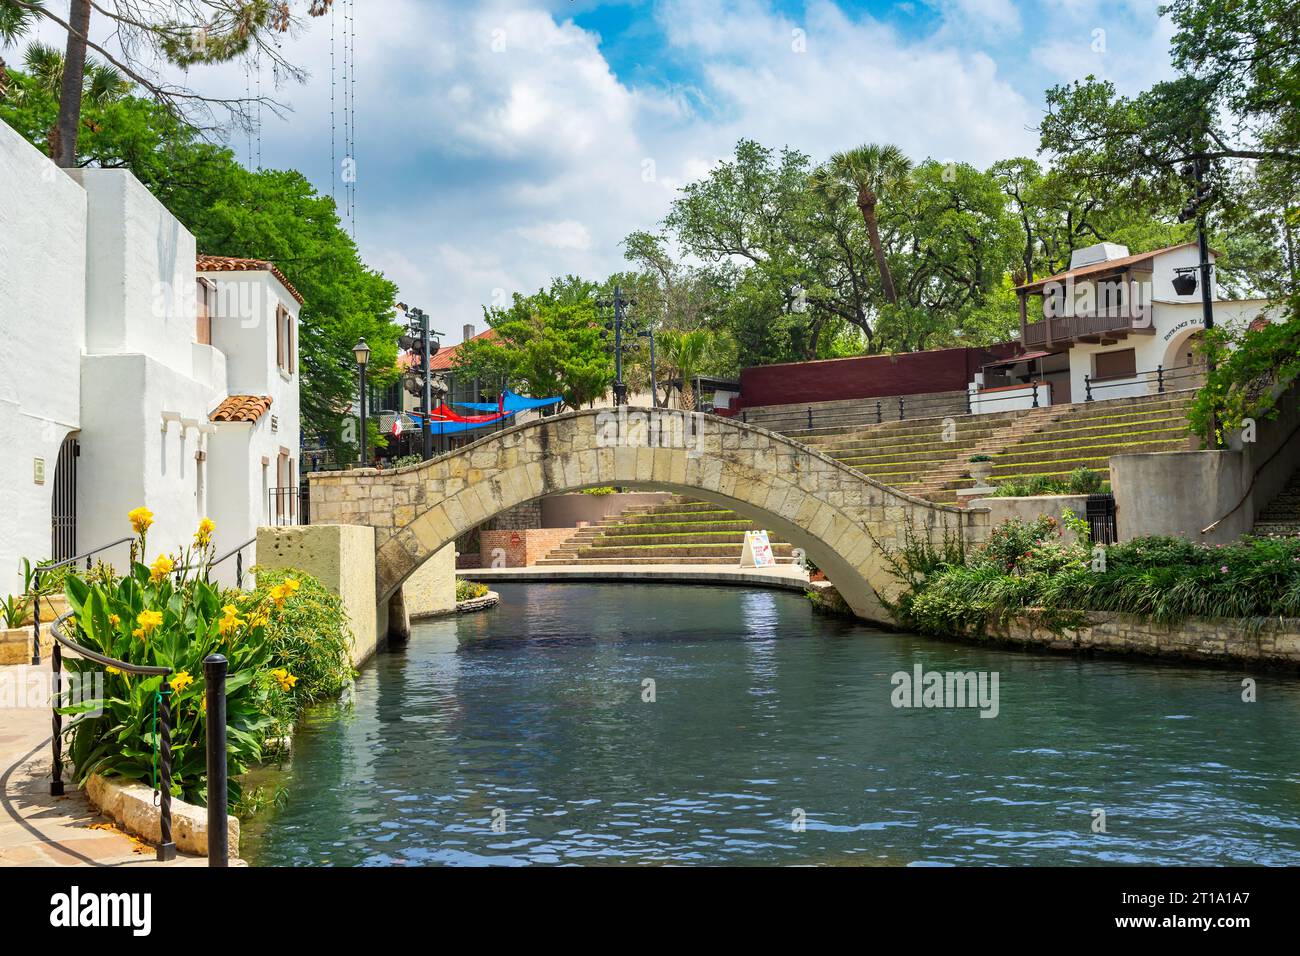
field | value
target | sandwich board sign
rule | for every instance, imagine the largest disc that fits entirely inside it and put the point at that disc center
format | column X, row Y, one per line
column 757, row 551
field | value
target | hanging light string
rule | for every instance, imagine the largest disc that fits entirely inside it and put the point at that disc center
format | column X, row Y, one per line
column 333, row 156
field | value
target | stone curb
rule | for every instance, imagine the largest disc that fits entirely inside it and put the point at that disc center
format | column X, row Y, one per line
column 131, row 805
column 491, row 599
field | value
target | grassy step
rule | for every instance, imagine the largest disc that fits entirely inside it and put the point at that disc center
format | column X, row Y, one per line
column 677, row 550
column 699, row 537
column 605, row 562
column 1091, row 452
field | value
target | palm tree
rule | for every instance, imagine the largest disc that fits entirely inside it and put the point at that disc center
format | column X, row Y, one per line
column 869, row 171
column 686, row 352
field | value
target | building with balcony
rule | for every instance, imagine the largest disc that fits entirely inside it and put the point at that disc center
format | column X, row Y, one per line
column 1113, row 325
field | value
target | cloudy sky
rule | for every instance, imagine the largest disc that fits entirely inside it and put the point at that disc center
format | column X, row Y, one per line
column 502, row 142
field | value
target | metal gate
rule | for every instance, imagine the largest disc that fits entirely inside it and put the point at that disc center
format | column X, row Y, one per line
column 63, row 512
column 1101, row 519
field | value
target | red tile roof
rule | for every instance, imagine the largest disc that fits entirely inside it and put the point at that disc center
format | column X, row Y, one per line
column 446, row 357
column 230, row 264
column 1093, row 268
column 241, row 408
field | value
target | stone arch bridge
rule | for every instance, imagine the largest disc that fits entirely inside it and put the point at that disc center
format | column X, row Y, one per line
column 838, row 516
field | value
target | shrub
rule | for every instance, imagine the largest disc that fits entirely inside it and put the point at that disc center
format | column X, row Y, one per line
column 604, row 490
column 309, row 635
column 468, row 590
column 1082, row 481
column 168, row 615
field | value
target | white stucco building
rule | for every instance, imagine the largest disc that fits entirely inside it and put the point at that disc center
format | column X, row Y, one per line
column 1113, row 325
column 135, row 372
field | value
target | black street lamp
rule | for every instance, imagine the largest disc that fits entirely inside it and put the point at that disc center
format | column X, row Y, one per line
column 1195, row 209
column 619, row 304
column 362, row 352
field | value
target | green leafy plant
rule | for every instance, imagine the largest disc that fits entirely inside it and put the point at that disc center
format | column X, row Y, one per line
column 1082, row 481
column 974, row 459
column 13, row 610
column 309, row 634
column 468, row 590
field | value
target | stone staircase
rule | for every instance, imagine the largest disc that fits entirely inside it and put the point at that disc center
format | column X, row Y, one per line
column 1282, row 516
column 1087, row 434
column 680, row 531
column 930, row 458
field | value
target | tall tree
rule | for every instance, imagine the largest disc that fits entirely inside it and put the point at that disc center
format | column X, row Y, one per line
column 869, row 171
column 150, row 33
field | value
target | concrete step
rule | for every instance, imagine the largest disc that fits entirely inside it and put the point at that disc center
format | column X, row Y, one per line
column 677, row 550
column 548, row 562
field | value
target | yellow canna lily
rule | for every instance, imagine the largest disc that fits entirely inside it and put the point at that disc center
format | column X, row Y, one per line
column 114, row 620
column 283, row 591
column 159, row 570
column 230, row 620
column 203, row 537
column 181, row 681
column 141, row 519
column 148, row 621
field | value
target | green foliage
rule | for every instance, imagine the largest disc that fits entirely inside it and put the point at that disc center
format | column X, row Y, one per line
column 13, row 610
column 1253, row 369
column 1082, row 481
column 286, row 643
column 309, row 635
column 468, row 590
column 546, row 344
column 1029, row 569
column 602, row 490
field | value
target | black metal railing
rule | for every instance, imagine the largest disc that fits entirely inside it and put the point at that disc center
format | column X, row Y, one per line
column 238, row 555
column 36, row 588
column 1158, row 380
column 214, row 672
column 283, row 506
column 166, row 847
column 1039, row 391
column 867, row 411
column 1099, row 511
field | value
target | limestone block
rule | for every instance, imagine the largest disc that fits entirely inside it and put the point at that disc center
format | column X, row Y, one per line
column 131, row 806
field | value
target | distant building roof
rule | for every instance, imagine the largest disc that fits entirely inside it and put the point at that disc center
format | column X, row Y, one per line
column 1096, row 268
column 231, row 264
column 241, row 408
column 446, row 357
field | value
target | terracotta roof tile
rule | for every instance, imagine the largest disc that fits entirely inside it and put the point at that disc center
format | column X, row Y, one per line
column 241, row 408
column 446, row 357
column 230, row 264
column 1105, row 265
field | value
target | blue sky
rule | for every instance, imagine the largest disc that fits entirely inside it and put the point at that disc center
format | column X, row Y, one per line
column 506, row 141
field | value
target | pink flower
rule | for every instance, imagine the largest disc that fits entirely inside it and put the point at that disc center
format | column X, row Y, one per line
column 1224, row 569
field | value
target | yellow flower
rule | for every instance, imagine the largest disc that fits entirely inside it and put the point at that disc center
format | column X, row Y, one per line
column 283, row 591
column 148, row 621
column 114, row 620
column 138, row 632
column 203, row 537
column 159, row 570
column 181, row 681
column 230, row 619
column 141, row 519
column 114, row 670
column 284, row 679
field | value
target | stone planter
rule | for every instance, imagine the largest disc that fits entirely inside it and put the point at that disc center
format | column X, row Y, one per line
column 131, row 805
column 980, row 471
column 491, row 599
column 16, row 644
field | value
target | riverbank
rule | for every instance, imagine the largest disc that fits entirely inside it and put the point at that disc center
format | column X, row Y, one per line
column 787, row 577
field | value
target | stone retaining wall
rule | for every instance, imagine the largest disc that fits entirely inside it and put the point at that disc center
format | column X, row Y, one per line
column 1276, row 643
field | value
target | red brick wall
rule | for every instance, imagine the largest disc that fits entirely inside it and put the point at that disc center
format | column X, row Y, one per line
column 522, row 548
column 867, row 376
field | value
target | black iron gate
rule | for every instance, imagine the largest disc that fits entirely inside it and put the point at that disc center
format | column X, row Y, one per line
column 1101, row 519
column 63, row 512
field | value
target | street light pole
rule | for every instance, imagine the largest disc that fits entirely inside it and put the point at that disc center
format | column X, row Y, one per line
column 1196, row 208
column 362, row 353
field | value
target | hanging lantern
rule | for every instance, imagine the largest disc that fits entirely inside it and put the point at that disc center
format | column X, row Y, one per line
column 1185, row 281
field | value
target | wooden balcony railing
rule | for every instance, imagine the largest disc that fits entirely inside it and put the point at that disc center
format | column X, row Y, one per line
column 1063, row 329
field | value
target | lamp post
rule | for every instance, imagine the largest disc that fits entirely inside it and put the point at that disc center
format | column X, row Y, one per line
column 362, row 352
column 649, row 333
column 1195, row 209
column 619, row 304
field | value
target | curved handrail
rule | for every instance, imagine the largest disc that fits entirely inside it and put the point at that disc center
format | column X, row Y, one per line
column 98, row 658
column 232, row 552
column 36, row 589
column 166, row 849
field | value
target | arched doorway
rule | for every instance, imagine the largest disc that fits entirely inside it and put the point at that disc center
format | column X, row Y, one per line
column 63, row 505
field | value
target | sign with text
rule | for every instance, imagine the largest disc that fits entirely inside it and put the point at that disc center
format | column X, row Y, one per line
column 757, row 551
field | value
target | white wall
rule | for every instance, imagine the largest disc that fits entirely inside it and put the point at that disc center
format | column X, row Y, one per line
column 42, row 300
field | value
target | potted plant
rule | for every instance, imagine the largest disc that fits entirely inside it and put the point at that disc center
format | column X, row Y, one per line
column 981, row 467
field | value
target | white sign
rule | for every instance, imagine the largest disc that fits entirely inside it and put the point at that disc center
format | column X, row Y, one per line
column 757, row 551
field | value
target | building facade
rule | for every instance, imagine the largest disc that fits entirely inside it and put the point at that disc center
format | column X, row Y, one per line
column 136, row 371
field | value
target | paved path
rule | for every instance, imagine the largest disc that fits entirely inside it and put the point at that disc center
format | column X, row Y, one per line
column 786, row 576
column 35, row 828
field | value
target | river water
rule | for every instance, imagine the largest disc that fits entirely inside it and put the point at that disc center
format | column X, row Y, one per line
column 654, row 724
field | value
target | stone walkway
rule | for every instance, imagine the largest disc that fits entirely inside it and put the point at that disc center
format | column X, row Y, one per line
column 35, row 828
column 786, row 576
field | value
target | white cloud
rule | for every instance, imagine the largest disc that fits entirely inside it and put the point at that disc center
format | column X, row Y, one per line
column 565, row 234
